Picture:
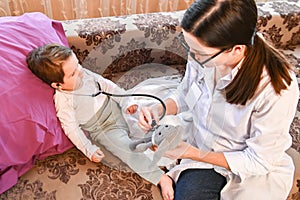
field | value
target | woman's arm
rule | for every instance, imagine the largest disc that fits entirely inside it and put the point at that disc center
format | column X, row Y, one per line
column 187, row 151
column 172, row 108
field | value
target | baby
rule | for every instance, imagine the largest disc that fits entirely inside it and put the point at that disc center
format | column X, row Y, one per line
column 81, row 108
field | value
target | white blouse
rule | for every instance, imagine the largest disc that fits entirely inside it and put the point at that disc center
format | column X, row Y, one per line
column 254, row 138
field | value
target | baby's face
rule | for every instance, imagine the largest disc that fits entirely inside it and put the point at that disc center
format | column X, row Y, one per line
column 73, row 74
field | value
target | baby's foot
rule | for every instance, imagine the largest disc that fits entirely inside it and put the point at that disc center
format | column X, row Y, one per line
column 132, row 109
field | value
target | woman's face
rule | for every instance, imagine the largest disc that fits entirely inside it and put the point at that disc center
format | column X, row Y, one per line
column 73, row 74
column 203, row 53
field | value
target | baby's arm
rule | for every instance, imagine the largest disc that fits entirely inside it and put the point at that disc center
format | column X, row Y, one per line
column 70, row 125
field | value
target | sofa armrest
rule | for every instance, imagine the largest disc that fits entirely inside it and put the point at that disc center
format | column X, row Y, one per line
column 279, row 21
column 116, row 44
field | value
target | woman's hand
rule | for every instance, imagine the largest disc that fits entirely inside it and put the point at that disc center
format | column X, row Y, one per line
column 97, row 156
column 146, row 116
column 183, row 150
column 166, row 185
column 149, row 114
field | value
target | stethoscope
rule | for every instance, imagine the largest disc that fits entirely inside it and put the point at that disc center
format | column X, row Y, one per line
column 153, row 124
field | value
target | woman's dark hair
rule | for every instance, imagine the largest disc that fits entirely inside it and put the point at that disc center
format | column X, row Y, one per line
column 46, row 62
column 225, row 23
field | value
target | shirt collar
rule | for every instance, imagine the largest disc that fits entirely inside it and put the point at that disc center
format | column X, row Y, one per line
column 224, row 81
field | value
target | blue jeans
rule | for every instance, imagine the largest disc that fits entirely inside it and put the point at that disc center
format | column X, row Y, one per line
column 199, row 184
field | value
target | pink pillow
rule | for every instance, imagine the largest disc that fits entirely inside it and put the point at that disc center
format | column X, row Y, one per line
column 29, row 128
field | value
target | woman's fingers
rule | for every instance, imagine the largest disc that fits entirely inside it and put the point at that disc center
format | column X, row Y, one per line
column 145, row 118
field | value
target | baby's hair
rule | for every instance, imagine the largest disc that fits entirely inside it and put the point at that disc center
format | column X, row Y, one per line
column 46, row 62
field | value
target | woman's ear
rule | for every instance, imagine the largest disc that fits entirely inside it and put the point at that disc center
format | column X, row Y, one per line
column 238, row 50
column 235, row 54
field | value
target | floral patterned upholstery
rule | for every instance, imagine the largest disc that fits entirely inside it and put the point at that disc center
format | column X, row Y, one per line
column 119, row 47
column 127, row 50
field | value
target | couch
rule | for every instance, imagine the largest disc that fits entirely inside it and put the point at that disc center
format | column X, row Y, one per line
column 128, row 50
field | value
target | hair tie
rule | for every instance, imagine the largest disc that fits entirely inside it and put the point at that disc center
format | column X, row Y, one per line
column 252, row 37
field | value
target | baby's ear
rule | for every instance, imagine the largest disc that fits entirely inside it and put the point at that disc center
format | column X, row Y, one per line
column 55, row 85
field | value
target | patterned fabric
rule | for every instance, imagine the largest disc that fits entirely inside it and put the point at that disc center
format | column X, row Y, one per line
column 129, row 49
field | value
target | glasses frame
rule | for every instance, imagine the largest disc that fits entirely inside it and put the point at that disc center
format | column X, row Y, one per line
column 193, row 55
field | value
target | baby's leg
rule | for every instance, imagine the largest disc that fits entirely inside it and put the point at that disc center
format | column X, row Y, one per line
column 117, row 142
column 114, row 136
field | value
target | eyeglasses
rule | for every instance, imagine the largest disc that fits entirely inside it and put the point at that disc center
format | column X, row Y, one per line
column 193, row 55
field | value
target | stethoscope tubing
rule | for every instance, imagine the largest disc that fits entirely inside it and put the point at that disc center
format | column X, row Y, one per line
column 124, row 95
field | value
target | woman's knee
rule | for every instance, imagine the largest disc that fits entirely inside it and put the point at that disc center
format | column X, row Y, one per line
column 198, row 184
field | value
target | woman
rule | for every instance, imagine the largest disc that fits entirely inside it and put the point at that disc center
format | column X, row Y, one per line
column 243, row 95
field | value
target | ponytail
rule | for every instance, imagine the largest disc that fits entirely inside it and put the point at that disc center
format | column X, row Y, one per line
column 246, row 82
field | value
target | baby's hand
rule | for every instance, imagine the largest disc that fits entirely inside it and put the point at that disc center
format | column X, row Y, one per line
column 131, row 109
column 97, row 156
